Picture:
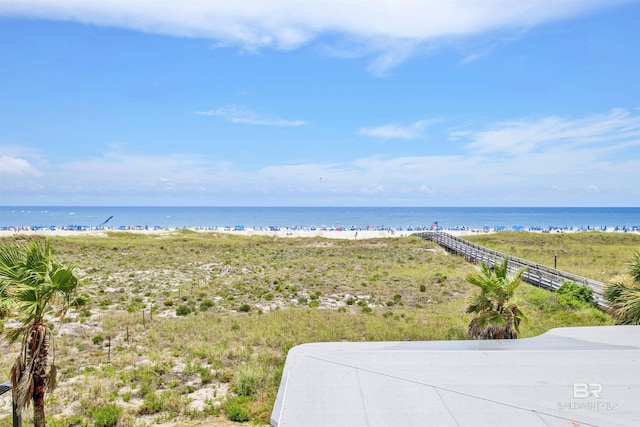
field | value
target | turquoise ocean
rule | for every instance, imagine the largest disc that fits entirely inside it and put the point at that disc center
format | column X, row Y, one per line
column 317, row 217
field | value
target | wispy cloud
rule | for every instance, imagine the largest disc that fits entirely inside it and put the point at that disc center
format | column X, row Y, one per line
column 396, row 131
column 379, row 27
column 618, row 127
column 241, row 115
column 551, row 161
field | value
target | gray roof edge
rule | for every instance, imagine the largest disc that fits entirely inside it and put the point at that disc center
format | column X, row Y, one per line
column 584, row 338
column 578, row 337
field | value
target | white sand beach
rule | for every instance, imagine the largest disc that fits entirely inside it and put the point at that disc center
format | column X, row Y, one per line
column 281, row 232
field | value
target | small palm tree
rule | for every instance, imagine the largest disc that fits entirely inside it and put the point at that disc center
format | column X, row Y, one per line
column 624, row 298
column 494, row 316
column 37, row 285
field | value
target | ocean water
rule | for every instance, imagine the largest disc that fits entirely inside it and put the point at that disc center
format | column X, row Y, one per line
column 331, row 217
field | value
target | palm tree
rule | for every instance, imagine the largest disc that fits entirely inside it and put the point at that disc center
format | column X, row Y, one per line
column 38, row 285
column 494, row 316
column 624, row 298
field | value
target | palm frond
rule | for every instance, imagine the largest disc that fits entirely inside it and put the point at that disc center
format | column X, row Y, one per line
column 613, row 292
column 480, row 299
column 502, row 268
column 15, row 334
column 627, row 310
column 495, row 318
column 634, row 267
column 512, row 281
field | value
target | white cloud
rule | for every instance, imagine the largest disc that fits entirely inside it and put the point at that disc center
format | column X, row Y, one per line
column 619, row 128
column 395, row 131
column 452, row 180
column 389, row 30
column 241, row 115
column 17, row 166
column 554, row 163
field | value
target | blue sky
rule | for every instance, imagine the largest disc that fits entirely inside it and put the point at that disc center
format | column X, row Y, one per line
column 320, row 103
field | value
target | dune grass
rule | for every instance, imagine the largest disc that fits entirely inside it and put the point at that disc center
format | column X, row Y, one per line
column 596, row 255
column 248, row 301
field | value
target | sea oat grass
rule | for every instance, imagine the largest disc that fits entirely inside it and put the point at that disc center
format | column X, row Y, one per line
column 158, row 367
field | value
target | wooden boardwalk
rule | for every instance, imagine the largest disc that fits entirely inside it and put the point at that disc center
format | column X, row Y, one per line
column 536, row 274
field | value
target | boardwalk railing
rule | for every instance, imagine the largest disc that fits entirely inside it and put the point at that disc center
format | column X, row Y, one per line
column 536, row 274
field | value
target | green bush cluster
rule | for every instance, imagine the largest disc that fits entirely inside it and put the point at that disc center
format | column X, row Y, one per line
column 235, row 410
column 107, row 415
column 572, row 295
column 439, row 277
column 206, row 305
column 183, row 310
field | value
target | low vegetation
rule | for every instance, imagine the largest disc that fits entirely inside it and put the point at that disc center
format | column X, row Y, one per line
column 596, row 255
column 623, row 294
column 494, row 315
column 243, row 303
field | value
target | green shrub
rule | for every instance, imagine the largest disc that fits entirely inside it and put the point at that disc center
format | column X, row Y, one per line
column 572, row 295
column 540, row 298
column 249, row 379
column 183, row 310
column 234, row 408
column 106, row 416
column 151, row 405
column 439, row 277
column 314, row 304
column 206, row 305
column 423, row 288
column 367, row 310
column 97, row 340
column 244, row 308
column 65, row 421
